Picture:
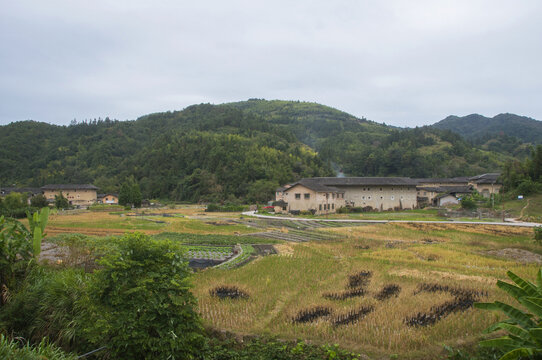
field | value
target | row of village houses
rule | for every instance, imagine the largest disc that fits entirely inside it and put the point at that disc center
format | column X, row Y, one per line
column 327, row 194
column 78, row 195
column 323, row 195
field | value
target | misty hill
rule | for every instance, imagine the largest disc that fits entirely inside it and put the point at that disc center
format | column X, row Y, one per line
column 504, row 132
column 238, row 150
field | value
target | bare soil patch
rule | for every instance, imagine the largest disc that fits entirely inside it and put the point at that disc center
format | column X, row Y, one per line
column 519, row 255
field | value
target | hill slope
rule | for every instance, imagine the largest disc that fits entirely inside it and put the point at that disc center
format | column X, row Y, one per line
column 238, row 150
column 475, row 127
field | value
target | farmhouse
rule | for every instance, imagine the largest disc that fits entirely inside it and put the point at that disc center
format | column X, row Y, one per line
column 327, row 194
column 486, row 184
column 112, row 199
column 432, row 195
column 308, row 195
column 30, row 192
column 77, row 194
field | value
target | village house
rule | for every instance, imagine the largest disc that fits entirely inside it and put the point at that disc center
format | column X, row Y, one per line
column 433, row 196
column 308, row 195
column 110, row 198
column 30, row 192
column 330, row 194
column 486, row 184
column 80, row 195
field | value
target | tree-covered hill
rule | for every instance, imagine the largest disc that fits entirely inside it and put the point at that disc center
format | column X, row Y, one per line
column 507, row 133
column 361, row 147
column 240, row 150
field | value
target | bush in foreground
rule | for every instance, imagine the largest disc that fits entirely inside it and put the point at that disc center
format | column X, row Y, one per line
column 140, row 305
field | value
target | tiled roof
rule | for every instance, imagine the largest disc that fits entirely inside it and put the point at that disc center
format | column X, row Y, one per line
column 490, row 178
column 455, row 180
column 69, row 187
column 314, row 184
column 353, row 181
column 447, row 189
column 7, row 190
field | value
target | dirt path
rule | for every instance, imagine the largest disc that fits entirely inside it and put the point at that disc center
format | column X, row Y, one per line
column 524, row 208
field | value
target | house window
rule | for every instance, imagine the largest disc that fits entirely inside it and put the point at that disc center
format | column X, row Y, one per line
column 380, row 189
column 297, row 196
column 382, row 197
column 393, row 197
column 307, row 196
column 368, row 198
column 363, row 198
column 320, row 207
column 333, row 206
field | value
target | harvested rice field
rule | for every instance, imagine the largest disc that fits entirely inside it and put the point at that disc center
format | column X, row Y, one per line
column 376, row 289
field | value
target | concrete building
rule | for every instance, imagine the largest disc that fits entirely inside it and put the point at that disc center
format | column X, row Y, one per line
column 372, row 193
column 308, row 195
column 82, row 195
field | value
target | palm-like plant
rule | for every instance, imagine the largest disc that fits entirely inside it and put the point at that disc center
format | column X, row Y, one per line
column 524, row 338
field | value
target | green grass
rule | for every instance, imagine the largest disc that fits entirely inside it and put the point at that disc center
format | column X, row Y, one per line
column 534, row 210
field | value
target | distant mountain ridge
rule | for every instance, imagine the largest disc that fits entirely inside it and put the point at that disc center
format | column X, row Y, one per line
column 476, row 127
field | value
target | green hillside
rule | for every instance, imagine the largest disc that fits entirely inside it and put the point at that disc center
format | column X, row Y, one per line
column 240, row 150
column 507, row 133
column 361, row 147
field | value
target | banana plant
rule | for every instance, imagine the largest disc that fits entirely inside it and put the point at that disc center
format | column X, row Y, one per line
column 524, row 328
column 37, row 222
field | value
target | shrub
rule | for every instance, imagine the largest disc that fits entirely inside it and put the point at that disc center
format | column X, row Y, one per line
column 39, row 201
column 538, row 233
column 48, row 307
column 140, row 302
column 527, row 187
column 468, row 203
column 524, row 338
column 15, row 251
column 10, row 349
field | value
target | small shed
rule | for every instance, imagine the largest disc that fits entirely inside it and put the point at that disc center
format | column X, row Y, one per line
column 447, row 199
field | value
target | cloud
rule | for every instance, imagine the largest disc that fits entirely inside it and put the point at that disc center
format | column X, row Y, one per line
column 403, row 63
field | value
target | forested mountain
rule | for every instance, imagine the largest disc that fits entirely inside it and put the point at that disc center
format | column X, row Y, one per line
column 240, row 150
column 365, row 148
column 507, row 133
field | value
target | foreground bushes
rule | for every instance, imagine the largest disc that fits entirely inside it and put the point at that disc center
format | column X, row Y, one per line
column 135, row 305
column 10, row 349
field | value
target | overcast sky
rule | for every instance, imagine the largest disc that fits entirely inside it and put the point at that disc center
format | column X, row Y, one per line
column 404, row 63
